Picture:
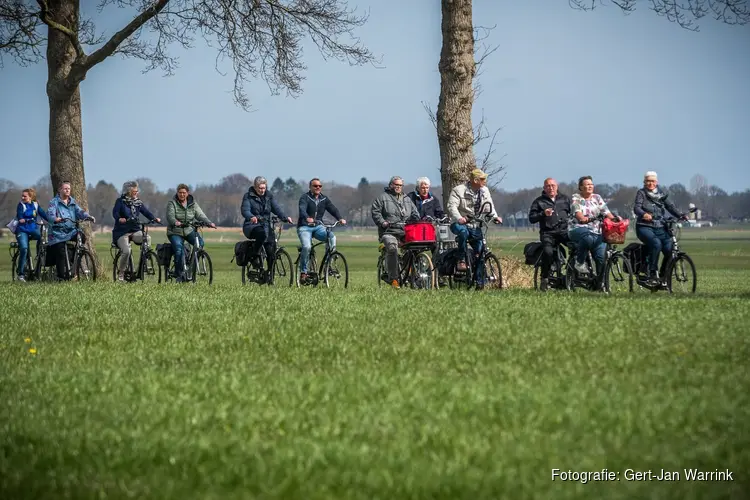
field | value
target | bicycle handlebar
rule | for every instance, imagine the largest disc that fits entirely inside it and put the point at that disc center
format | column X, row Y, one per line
column 321, row 223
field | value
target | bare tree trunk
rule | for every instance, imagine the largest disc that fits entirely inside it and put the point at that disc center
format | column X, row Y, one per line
column 457, row 69
column 65, row 126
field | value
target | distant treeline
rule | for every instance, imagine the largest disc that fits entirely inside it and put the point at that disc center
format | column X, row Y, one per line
column 221, row 201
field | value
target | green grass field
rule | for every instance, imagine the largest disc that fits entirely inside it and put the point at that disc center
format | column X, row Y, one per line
column 179, row 391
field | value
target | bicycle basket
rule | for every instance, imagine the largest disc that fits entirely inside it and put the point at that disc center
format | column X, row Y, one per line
column 614, row 232
column 419, row 232
column 444, row 234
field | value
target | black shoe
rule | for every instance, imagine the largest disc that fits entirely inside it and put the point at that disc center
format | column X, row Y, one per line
column 544, row 284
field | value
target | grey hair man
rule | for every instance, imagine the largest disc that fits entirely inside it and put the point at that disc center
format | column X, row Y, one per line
column 390, row 211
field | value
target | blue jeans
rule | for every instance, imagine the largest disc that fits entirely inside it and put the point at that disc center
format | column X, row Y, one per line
column 23, row 247
column 656, row 240
column 306, row 234
column 463, row 232
column 178, row 249
column 586, row 241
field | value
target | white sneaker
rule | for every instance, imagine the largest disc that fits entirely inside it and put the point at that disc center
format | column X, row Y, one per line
column 20, row 278
column 121, row 276
column 581, row 268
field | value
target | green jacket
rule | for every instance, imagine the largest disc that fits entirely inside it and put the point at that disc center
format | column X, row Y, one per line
column 186, row 215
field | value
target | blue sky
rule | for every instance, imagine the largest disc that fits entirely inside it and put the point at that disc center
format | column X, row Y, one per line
column 576, row 93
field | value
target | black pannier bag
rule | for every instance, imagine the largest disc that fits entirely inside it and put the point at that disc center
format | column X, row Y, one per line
column 242, row 252
column 163, row 253
column 532, row 251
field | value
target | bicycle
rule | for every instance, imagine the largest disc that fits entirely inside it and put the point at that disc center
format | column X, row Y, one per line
column 679, row 271
column 493, row 274
column 282, row 265
column 329, row 268
column 414, row 262
column 616, row 271
column 557, row 268
column 148, row 263
column 84, row 266
column 197, row 263
column 36, row 269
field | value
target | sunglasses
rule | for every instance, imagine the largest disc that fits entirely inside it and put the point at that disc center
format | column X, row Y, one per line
column 317, row 185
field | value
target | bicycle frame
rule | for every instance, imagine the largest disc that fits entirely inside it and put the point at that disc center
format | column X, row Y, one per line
column 313, row 277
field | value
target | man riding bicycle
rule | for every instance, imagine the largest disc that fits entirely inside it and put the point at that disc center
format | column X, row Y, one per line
column 552, row 211
column 182, row 211
column 257, row 204
column 390, row 211
column 312, row 207
column 464, row 202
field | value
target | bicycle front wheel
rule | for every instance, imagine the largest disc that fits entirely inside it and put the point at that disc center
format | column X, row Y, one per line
column 681, row 276
column 85, row 266
column 150, row 268
column 422, row 274
column 618, row 275
column 201, row 268
column 336, row 271
column 282, row 273
column 493, row 273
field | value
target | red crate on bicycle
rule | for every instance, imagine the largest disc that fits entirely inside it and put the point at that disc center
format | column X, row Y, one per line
column 614, row 232
column 419, row 232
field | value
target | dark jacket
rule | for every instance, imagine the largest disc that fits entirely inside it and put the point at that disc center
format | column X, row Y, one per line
column 309, row 206
column 657, row 206
column 29, row 213
column 430, row 206
column 130, row 210
column 558, row 221
column 254, row 205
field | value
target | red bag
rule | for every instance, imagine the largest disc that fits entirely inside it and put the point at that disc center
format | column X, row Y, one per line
column 419, row 232
column 614, row 232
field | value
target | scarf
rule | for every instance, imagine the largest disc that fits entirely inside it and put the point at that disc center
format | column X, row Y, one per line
column 132, row 202
column 656, row 196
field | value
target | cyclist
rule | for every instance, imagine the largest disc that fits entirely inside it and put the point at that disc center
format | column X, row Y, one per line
column 312, row 207
column 584, row 229
column 552, row 211
column 427, row 204
column 259, row 203
column 27, row 212
column 182, row 211
column 388, row 210
column 650, row 207
column 465, row 201
column 126, row 212
column 63, row 206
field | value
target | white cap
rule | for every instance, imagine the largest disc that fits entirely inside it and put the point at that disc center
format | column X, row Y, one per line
column 650, row 173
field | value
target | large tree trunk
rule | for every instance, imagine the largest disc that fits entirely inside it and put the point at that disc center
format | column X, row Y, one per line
column 457, row 69
column 65, row 126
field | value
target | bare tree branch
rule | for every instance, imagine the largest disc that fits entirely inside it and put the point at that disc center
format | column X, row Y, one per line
column 72, row 33
column 18, row 33
column 685, row 13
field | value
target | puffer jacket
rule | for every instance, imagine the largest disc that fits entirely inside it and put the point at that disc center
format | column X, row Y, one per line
column 428, row 207
column 186, row 215
column 657, row 205
column 29, row 213
column 394, row 209
column 462, row 199
column 255, row 205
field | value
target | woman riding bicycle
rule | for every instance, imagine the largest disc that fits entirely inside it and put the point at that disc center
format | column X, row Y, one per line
column 584, row 228
column 63, row 206
column 650, row 207
column 27, row 212
column 427, row 204
column 182, row 211
column 126, row 212
column 257, row 204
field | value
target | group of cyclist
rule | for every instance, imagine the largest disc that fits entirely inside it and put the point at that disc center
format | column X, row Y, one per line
column 392, row 209
column 577, row 220
column 561, row 220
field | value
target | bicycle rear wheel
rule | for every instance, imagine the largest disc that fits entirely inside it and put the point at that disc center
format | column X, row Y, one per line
column 681, row 275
